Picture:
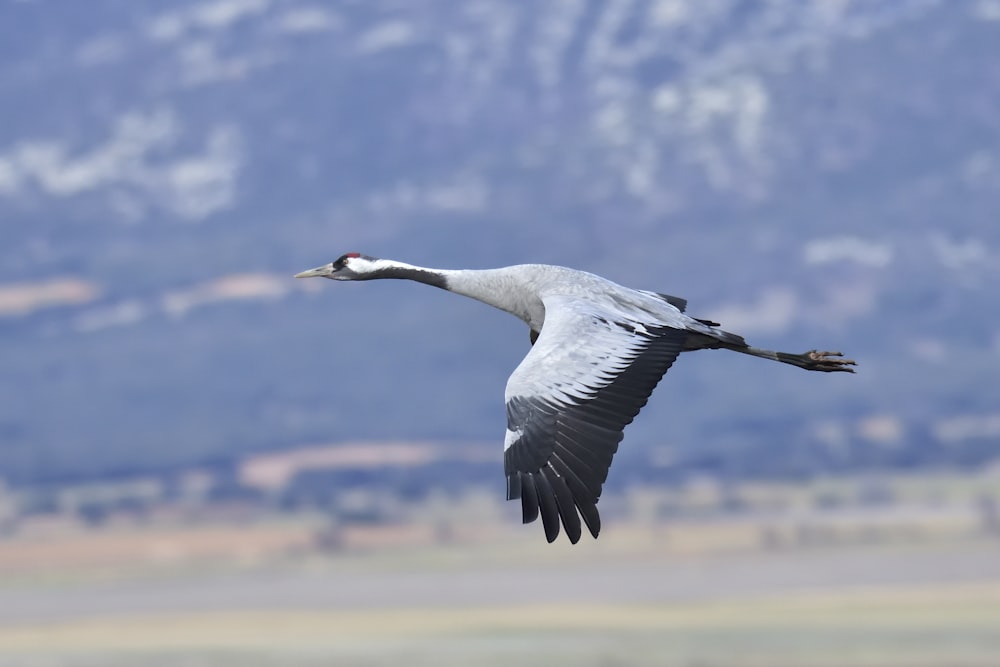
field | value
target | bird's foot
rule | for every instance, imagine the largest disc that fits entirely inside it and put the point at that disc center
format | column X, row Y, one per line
column 828, row 362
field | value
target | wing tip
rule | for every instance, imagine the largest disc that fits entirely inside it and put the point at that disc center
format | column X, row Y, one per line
column 547, row 506
column 565, row 503
column 539, row 497
column 529, row 498
column 514, row 486
column 592, row 519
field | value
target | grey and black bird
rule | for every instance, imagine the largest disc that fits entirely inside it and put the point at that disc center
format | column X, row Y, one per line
column 598, row 351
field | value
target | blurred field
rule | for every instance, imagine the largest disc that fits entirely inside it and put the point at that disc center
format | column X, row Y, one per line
column 858, row 607
column 914, row 582
column 929, row 625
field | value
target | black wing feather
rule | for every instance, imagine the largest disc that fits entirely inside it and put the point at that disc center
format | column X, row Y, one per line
column 514, row 486
column 564, row 501
column 529, row 498
column 584, row 494
column 547, row 506
column 677, row 302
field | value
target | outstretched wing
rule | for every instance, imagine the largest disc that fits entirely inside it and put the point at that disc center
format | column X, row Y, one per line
column 585, row 379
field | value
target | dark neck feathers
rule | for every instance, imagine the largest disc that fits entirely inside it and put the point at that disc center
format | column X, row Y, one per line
column 426, row 276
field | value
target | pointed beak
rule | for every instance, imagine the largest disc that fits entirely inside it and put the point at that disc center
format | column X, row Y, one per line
column 318, row 272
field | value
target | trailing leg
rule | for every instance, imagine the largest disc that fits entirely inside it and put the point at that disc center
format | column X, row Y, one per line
column 813, row 360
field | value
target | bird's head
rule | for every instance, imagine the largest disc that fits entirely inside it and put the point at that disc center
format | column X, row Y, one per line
column 351, row 266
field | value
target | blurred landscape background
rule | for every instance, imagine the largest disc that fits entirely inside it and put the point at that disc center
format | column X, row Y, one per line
column 206, row 462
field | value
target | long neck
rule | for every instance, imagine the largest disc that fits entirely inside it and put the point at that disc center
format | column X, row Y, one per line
column 500, row 288
column 401, row 271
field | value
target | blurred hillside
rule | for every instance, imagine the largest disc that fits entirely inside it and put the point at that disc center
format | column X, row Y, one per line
column 822, row 174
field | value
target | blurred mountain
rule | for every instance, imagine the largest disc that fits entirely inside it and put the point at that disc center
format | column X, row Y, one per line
column 821, row 174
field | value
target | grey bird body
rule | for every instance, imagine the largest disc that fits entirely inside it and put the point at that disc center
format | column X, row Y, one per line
column 522, row 289
column 599, row 349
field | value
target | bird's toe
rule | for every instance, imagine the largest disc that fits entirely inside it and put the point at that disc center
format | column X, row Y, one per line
column 829, row 362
